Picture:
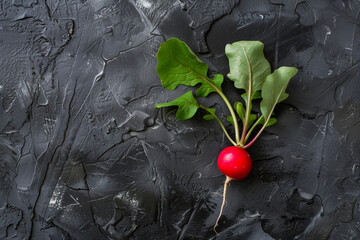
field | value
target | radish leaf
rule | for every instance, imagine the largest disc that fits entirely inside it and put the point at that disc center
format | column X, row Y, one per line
column 252, row 118
column 248, row 65
column 273, row 90
column 230, row 120
column 178, row 65
column 256, row 95
column 249, row 70
column 187, row 104
column 271, row 121
column 211, row 115
column 205, row 88
column 239, row 108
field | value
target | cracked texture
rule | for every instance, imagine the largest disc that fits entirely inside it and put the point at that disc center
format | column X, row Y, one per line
column 84, row 154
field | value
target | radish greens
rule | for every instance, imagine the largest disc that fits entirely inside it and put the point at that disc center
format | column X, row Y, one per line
column 249, row 70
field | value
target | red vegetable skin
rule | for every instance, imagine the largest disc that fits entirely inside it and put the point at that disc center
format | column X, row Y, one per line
column 234, row 163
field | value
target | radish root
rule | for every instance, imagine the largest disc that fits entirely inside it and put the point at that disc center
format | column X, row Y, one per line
column 216, row 193
column 227, row 181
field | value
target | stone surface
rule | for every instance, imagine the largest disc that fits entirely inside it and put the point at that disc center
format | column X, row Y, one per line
column 84, row 154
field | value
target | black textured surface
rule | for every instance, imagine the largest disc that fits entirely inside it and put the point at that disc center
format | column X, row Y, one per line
column 84, row 154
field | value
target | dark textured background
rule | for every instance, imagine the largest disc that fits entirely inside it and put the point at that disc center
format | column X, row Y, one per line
column 84, row 154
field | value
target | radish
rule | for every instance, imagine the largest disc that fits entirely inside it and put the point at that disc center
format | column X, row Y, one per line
column 251, row 72
column 234, row 163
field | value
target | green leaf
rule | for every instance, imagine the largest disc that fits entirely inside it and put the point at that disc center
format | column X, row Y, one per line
column 211, row 115
column 271, row 121
column 177, row 64
column 187, row 106
column 256, row 95
column 206, row 88
column 239, row 108
column 273, row 90
column 252, row 119
column 230, row 120
column 248, row 65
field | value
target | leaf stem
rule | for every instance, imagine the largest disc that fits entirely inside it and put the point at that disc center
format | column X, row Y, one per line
column 252, row 129
column 246, row 122
column 258, row 134
column 248, row 104
column 221, row 124
column 232, row 112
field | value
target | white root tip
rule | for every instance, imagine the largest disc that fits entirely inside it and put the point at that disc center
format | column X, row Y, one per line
column 227, row 181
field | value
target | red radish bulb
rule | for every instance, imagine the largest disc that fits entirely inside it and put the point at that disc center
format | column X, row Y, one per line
column 234, row 162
